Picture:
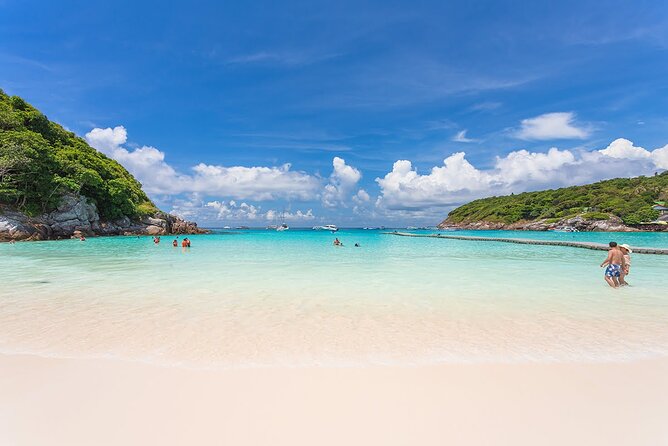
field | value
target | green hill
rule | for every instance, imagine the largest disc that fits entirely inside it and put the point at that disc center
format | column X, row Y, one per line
column 630, row 199
column 40, row 161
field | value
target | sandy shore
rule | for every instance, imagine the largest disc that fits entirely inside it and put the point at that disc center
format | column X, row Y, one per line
column 109, row 402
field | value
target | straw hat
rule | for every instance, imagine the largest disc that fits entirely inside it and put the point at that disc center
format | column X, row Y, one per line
column 627, row 247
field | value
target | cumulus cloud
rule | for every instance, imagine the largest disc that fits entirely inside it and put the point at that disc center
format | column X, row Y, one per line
column 551, row 126
column 458, row 181
column 461, row 137
column 342, row 181
column 231, row 211
column 624, row 149
column 361, row 196
column 296, row 216
column 148, row 165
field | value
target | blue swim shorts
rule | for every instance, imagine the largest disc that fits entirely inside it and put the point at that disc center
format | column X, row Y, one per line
column 613, row 270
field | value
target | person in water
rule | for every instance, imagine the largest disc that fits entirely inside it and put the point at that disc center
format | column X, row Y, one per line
column 357, row 245
column 614, row 264
column 156, row 240
column 175, row 243
column 626, row 251
column 337, row 242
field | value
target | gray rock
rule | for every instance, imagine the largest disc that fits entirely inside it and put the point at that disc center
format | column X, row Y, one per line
column 76, row 215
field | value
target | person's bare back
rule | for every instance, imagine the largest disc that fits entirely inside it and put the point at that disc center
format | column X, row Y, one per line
column 615, row 264
column 615, row 256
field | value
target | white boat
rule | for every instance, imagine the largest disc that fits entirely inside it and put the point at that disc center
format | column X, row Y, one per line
column 331, row 228
column 282, row 227
column 565, row 229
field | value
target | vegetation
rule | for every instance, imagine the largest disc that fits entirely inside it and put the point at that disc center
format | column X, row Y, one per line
column 631, row 199
column 40, row 161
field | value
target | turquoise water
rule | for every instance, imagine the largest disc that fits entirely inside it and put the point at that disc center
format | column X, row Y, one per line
column 260, row 298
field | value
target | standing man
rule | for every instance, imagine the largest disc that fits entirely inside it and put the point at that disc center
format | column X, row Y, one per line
column 615, row 263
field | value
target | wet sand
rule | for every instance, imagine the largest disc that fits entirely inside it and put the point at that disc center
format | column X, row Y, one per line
column 112, row 402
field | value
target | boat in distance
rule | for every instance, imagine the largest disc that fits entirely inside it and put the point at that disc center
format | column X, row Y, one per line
column 331, row 228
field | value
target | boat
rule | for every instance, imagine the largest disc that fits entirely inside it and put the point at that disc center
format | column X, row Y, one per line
column 331, row 228
column 282, row 227
column 565, row 229
column 243, row 227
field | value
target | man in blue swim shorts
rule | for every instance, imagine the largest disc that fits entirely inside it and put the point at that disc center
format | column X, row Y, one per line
column 614, row 263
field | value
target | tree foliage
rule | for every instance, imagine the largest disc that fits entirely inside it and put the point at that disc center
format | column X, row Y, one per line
column 631, row 199
column 40, row 161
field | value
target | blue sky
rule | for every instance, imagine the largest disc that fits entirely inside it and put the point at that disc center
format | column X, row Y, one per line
column 344, row 112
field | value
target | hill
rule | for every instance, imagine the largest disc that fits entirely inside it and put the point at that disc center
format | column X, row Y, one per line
column 612, row 204
column 53, row 183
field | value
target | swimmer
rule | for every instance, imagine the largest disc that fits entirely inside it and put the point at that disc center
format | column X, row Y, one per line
column 175, row 243
column 614, row 265
column 357, row 245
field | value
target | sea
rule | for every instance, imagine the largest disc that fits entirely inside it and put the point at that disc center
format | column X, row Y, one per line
column 263, row 298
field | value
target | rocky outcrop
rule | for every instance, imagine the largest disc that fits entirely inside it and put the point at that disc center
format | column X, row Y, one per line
column 76, row 216
column 612, row 224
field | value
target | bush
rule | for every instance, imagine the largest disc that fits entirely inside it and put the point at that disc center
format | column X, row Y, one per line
column 595, row 216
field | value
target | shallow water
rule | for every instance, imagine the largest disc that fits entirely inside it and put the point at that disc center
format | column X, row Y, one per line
column 258, row 298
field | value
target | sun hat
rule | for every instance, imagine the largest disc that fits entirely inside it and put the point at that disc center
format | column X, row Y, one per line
column 627, row 247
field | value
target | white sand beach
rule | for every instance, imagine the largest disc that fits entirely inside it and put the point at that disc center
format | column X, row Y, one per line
column 47, row 401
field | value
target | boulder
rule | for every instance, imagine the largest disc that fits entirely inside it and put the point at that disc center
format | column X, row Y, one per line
column 76, row 216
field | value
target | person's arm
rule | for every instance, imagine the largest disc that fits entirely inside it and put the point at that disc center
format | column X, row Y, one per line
column 607, row 260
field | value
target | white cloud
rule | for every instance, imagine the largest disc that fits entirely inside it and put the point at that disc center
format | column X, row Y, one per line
column 230, row 210
column 361, row 196
column 194, row 207
column 458, row 181
column 551, row 126
column 461, row 137
column 624, row 149
column 297, row 216
column 107, row 140
column 342, row 181
column 148, row 165
column 660, row 157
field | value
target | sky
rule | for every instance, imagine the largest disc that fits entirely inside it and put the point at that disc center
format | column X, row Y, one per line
column 350, row 113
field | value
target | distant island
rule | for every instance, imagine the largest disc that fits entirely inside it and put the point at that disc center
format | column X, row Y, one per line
column 54, row 185
column 621, row 204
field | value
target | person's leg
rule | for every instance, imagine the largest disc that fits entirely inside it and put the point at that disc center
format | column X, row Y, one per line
column 621, row 278
column 610, row 281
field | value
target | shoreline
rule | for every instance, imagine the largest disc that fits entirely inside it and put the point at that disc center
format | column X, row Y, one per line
column 106, row 401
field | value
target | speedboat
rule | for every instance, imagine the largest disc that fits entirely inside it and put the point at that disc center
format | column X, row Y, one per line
column 331, row 228
column 282, row 227
column 565, row 229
